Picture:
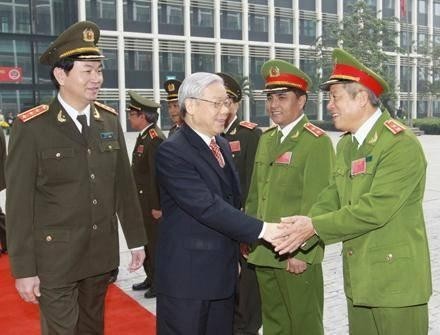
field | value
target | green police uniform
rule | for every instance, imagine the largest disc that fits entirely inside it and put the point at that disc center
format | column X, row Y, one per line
column 374, row 206
column 69, row 189
column 287, row 179
column 144, row 171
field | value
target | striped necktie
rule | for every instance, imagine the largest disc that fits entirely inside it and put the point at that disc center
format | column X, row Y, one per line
column 216, row 152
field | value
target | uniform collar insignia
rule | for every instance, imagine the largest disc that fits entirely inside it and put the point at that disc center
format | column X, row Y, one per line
column 61, row 117
column 96, row 114
column 295, row 135
column 373, row 139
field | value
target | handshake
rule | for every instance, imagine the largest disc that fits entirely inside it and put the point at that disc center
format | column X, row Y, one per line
column 290, row 234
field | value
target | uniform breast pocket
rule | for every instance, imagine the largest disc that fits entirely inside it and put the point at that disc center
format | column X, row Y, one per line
column 58, row 164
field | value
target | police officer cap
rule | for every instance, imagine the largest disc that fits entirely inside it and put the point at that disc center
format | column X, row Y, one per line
column 139, row 103
column 78, row 42
column 232, row 87
column 280, row 76
column 347, row 68
column 171, row 86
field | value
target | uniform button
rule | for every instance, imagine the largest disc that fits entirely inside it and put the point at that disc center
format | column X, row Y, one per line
column 58, row 155
column 350, row 252
column 89, row 151
column 94, row 201
column 389, row 257
column 48, row 238
column 92, row 176
column 110, row 147
column 95, row 227
column 349, row 202
column 141, row 191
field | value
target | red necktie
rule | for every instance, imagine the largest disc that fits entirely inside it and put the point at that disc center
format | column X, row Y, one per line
column 217, row 153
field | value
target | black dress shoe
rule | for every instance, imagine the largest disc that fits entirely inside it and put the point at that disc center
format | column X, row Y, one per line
column 150, row 293
column 113, row 276
column 141, row 286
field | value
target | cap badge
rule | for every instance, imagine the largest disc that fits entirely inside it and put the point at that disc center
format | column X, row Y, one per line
column 171, row 87
column 88, row 35
column 274, row 71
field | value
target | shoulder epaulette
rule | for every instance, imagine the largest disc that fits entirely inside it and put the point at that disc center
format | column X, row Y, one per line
column 107, row 108
column 248, row 124
column 394, row 126
column 270, row 129
column 33, row 112
column 153, row 133
column 316, row 131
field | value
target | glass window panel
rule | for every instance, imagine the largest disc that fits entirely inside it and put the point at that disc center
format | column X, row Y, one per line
column 258, row 27
column 102, row 12
column 43, row 71
column 405, row 78
column 110, row 68
column 138, row 69
column 307, row 31
column 306, row 5
column 258, row 113
column 202, row 22
column 255, row 64
column 283, row 3
column 16, row 53
column 283, row 29
column 15, row 17
column 172, row 64
column 437, row 14
column 388, row 8
column 137, row 15
column 329, row 6
column 170, row 19
column 232, row 64
column 230, row 23
column 53, row 16
column 16, row 101
column 202, row 63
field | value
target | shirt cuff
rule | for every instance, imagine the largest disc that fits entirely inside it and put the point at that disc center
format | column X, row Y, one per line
column 263, row 230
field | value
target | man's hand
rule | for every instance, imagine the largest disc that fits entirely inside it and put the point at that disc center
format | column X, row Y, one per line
column 275, row 232
column 156, row 213
column 296, row 266
column 28, row 288
column 297, row 229
column 137, row 259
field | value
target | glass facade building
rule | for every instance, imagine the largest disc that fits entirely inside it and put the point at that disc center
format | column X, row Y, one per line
column 149, row 41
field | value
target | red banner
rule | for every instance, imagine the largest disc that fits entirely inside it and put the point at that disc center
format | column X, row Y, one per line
column 11, row 74
column 402, row 8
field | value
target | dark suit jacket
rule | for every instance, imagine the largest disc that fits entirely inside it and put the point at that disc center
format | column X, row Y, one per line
column 65, row 195
column 197, row 251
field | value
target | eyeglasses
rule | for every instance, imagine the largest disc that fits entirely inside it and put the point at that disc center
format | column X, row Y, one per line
column 217, row 104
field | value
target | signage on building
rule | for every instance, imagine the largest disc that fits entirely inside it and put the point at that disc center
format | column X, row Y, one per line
column 11, row 74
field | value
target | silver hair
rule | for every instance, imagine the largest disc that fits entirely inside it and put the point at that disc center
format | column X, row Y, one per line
column 194, row 85
column 353, row 88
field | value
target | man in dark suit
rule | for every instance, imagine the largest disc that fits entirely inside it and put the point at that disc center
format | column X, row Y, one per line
column 3, row 246
column 243, row 139
column 69, row 175
column 197, row 251
column 143, row 115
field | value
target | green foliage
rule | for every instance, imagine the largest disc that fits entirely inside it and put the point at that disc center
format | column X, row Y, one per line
column 364, row 36
column 431, row 126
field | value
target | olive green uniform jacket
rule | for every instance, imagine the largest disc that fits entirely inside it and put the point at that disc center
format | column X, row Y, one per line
column 243, row 141
column 378, row 216
column 64, row 195
column 283, row 187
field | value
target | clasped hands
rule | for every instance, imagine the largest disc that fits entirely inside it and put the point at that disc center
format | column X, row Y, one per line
column 289, row 234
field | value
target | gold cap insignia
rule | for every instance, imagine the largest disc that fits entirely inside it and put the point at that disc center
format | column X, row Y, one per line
column 170, row 87
column 274, row 71
column 88, row 35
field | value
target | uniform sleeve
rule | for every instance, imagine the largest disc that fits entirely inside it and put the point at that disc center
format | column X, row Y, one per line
column 128, row 207
column 21, row 172
column 317, row 174
column 253, row 138
column 399, row 172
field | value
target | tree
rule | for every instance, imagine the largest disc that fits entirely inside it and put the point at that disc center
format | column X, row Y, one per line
column 367, row 38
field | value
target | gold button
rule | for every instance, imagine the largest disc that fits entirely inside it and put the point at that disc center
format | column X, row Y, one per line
column 141, row 191
column 110, row 147
column 389, row 257
column 89, row 151
column 48, row 238
column 58, row 155
column 350, row 252
column 92, row 176
column 94, row 201
column 95, row 227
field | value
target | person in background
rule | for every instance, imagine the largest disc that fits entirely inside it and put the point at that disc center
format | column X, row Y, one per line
column 243, row 139
column 374, row 207
column 3, row 244
column 143, row 115
column 171, row 86
column 293, row 164
column 70, row 180
column 197, row 252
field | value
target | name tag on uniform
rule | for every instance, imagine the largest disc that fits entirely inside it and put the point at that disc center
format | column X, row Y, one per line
column 284, row 158
column 235, row 146
column 358, row 166
column 140, row 149
column 108, row 135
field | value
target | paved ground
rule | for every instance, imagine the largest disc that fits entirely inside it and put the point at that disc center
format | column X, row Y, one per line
column 335, row 318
